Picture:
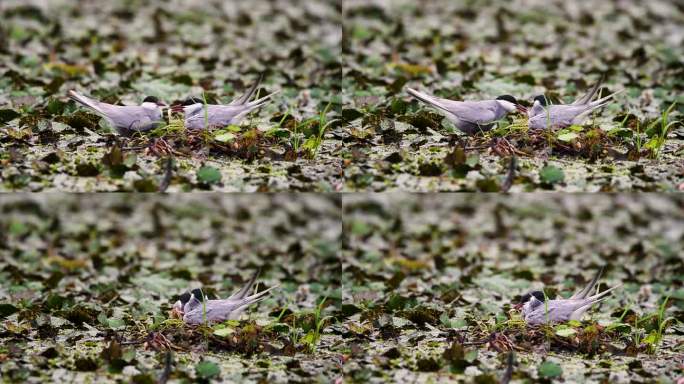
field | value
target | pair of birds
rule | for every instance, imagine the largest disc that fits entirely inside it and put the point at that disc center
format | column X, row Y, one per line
column 195, row 308
column 150, row 114
column 480, row 116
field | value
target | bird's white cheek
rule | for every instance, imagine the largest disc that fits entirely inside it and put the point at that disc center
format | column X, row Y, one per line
column 508, row 106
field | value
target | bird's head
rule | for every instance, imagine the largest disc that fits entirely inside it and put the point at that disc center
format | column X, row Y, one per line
column 510, row 104
column 152, row 101
column 192, row 100
column 541, row 100
column 179, row 307
column 531, row 300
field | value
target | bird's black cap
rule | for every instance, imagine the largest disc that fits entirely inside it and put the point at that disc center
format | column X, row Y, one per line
column 184, row 298
column 197, row 292
column 508, row 98
column 151, row 99
column 539, row 295
column 199, row 295
column 542, row 100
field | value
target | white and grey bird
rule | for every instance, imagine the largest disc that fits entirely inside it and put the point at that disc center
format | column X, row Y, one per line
column 125, row 118
column 537, row 309
column 543, row 115
column 472, row 116
column 220, row 116
column 193, row 306
column 541, row 101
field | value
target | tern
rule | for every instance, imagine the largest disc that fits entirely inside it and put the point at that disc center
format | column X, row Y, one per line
column 472, row 116
column 538, row 309
column 194, row 307
column 125, row 118
column 543, row 115
column 199, row 115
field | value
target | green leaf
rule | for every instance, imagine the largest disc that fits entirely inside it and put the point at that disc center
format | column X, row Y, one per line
column 112, row 323
column 360, row 228
column 652, row 338
column 549, row 369
column 18, row 228
column 309, row 338
column 678, row 294
column 207, row 369
column 567, row 136
column 472, row 160
column 470, row 355
column 278, row 132
column 654, row 143
column 224, row 137
column 311, row 143
column 223, row 332
column 279, row 327
column 130, row 159
column 551, row 174
column 565, row 331
column 116, row 324
column 208, row 175
column 452, row 323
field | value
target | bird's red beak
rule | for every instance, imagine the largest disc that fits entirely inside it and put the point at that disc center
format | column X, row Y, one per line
column 521, row 108
column 518, row 306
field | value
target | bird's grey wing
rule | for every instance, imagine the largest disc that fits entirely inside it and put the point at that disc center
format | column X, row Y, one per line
column 134, row 118
column 457, row 108
column 586, row 290
column 221, row 310
column 194, row 116
column 535, row 110
column 217, row 116
column 246, row 288
column 248, row 94
column 590, row 94
column 192, row 109
column 586, row 303
column 591, row 106
column 86, row 101
column 249, row 300
column 224, row 114
column 478, row 112
column 213, row 309
column 579, row 312
column 556, row 311
column 559, row 116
